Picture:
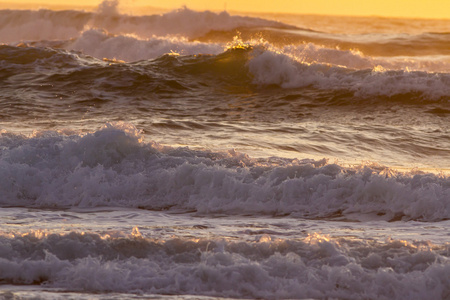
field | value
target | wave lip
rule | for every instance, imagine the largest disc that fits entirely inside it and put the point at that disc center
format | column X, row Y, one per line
column 112, row 167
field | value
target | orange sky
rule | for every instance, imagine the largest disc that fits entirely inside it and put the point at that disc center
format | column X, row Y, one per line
column 389, row 8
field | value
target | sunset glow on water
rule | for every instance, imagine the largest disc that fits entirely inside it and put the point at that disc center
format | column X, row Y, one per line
column 224, row 150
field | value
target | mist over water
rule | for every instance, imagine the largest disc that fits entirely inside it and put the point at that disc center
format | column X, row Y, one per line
column 212, row 154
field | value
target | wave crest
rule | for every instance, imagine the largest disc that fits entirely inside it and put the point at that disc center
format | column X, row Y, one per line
column 100, row 44
column 278, row 68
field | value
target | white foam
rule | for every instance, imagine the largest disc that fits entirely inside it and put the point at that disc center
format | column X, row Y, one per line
column 270, row 67
column 308, row 267
column 111, row 167
column 100, row 44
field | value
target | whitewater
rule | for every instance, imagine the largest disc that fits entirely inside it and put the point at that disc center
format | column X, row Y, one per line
column 217, row 155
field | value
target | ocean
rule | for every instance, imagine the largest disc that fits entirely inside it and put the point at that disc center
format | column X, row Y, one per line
column 222, row 155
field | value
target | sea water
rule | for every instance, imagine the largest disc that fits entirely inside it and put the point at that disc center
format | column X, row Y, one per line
column 205, row 155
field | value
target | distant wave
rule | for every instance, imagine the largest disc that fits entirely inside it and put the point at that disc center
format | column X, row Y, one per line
column 113, row 167
column 208, row 27
column 25, row 25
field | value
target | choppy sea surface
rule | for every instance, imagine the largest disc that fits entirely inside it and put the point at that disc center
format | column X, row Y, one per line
column 209, row 155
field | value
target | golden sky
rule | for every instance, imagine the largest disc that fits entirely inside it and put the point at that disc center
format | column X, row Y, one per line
column 388, row 8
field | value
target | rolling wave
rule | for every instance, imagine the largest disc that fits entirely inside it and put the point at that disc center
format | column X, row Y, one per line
column 270, row 67
column 113, row 167
column 311, row 266
column 101, row 44
column 257, row 65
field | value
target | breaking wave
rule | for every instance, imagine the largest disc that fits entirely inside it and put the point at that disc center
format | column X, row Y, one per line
column 113, row 167
column 259, row 65
column 271, row 269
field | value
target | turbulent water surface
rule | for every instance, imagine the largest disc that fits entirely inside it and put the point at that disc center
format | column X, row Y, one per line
column 203, row 155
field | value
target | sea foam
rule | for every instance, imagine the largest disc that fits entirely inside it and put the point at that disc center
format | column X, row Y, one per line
column 312, row 266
